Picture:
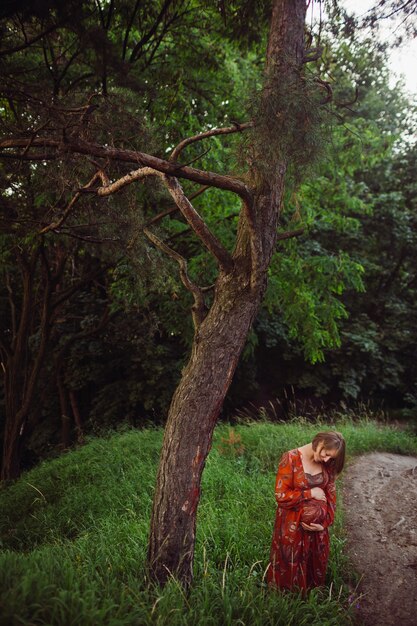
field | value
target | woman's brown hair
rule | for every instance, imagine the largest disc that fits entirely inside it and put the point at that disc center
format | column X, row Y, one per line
column 332, row 440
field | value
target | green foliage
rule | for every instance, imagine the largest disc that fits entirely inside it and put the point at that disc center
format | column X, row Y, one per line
column 149, row 76
column 342, row 293
column 74, row 534
column 306, row 289
column 378, row 337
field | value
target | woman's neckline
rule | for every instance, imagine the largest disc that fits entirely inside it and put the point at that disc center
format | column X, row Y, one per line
column 306, row 473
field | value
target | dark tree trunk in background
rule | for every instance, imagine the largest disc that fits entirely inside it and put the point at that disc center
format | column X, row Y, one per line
column 219, row 340
column 77, row 416
column 19, row 383
column 22, row 366
column 65, row 417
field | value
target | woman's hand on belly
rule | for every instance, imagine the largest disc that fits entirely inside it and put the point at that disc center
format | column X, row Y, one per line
column 318, row 494
column 315, row 527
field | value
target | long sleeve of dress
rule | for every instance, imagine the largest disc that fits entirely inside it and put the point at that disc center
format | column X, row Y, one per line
column 330, row 491
column 285, row 493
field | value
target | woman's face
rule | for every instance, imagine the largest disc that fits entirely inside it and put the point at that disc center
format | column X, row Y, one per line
column 323, row 454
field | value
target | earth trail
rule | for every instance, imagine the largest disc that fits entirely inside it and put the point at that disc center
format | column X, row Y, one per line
column 380, row 502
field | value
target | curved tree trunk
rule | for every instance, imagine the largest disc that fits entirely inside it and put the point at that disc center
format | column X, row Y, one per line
column 192, row 417
column 65, row 417
column 77, row 416
column 12, row 447
column 218, row 341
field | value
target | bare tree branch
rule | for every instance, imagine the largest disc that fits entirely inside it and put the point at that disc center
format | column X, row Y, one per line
column 401, row 7
column 110, row 13
column 209, row 133
column 26, row 157
column 212, row 179
column 4, row 348
column 77, row 416
column 313, row 54
column 88, row 238
column 199, row 307
column 34, row 133
column 187, row 230
column 129, row 178
column 160, row 216
column 32, row 41
column 157, row 42
column 328, row 89
column 152, row 31
column 198, row 224
column 97, row 176
column 27, row 268
column 44, row 334
column 70, row 61
column 349, row 102
column 12, row 304
column 247, row 202
column 153, row 220
column 175, row 208
column 290, row 234
column 128, row 29
column 193, row 218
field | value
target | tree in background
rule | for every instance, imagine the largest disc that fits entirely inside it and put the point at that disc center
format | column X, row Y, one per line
column 401, row 13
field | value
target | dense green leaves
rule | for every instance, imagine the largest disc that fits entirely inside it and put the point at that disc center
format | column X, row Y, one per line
column 347, row 282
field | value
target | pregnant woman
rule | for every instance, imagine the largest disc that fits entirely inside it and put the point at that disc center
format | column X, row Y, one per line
column 306, row 495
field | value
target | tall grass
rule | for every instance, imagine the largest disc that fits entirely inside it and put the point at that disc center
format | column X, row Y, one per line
column 74, row 534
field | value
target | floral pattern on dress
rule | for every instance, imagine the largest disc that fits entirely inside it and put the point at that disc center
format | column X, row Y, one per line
column 298, row 557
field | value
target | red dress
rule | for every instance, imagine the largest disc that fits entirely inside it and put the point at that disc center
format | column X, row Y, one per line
column 299, row 557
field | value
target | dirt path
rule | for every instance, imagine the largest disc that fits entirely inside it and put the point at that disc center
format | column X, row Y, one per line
column 380, row 502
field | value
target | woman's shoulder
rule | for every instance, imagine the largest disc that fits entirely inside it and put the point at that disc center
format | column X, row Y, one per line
column 289, row 457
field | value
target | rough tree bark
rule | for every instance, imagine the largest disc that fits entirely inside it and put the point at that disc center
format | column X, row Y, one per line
column 218, row 341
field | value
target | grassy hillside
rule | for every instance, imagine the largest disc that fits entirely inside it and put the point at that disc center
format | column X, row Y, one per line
column 74, row 533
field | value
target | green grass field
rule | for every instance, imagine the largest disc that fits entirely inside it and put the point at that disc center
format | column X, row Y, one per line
column 74, row 533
